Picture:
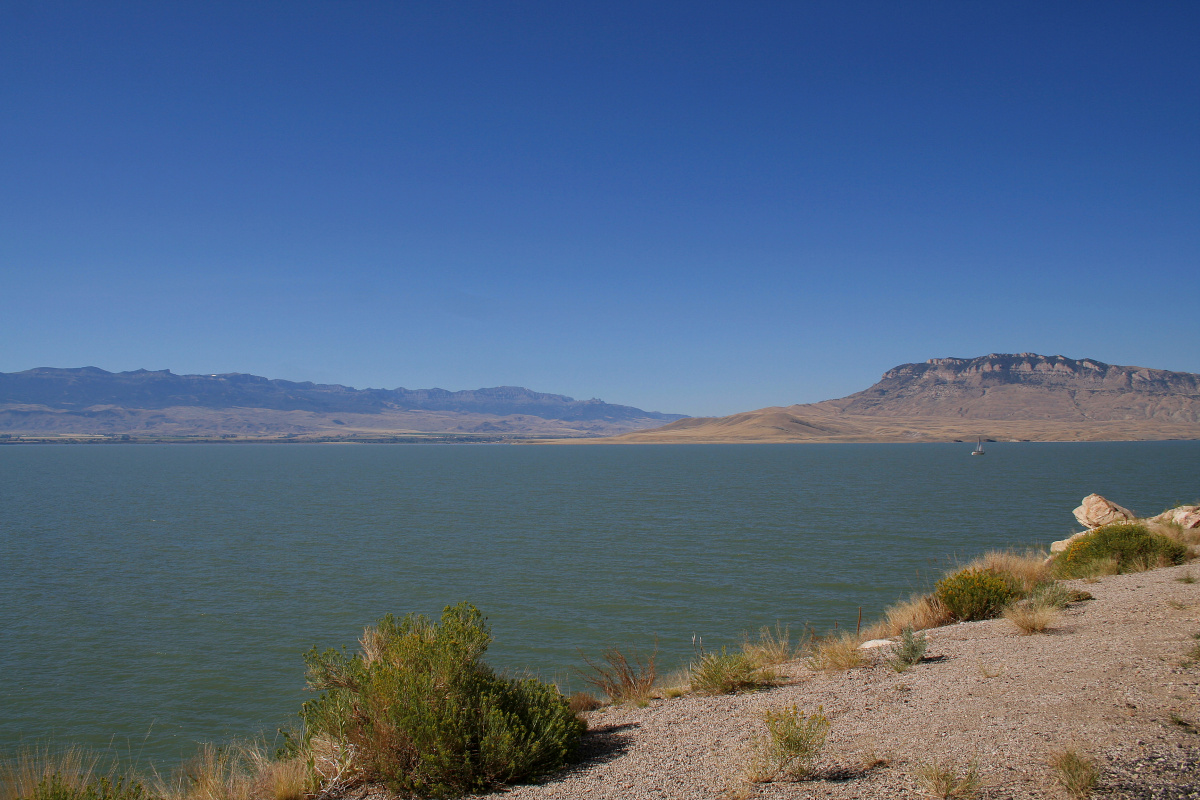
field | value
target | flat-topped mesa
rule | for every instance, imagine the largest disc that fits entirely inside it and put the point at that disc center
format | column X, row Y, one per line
column 1029, row 386
column 1031, row 368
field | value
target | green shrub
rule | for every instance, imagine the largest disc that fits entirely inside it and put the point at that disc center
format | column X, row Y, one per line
column 425, row 715
column 1132, row 546
column 790, row 747
column 973, row 594
column 908, row 651
column 726, row 673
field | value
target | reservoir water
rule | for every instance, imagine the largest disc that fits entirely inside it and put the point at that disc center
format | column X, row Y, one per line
column 159, row 595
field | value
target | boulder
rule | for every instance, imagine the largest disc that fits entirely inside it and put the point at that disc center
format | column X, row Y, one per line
column 1095, row 511
column 1183, row 516
column 871, row 645
column 1063, row 544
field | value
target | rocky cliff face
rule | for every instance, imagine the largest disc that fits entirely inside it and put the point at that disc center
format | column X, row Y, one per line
column 1029, row 386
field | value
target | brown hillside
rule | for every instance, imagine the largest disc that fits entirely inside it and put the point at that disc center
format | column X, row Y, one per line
column 1004, row 397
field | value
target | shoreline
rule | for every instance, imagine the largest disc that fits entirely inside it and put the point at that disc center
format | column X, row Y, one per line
column 509, row 439
column 1109, row 679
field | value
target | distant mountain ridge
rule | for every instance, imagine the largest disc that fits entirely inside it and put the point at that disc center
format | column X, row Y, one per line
column 1001, row 395
column 93, row 400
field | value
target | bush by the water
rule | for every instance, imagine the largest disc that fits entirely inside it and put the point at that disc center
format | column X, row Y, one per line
column 974, row 593
column 419, row 710
column 1125, row 547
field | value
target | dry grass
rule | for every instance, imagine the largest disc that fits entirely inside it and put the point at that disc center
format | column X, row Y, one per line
column 1026, row 570
column 729, row 673
column 624, row 679
column 942, row 780
column 920, row 612
column 676, row 684
column 837, row 653
column 20, row 776
column 580, row 702
column 1031, row 617
column 772, row 648
column 243, row 771
column 1075, row 773
column 988, row 671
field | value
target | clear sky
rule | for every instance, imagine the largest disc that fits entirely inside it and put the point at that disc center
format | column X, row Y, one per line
column 695, row 207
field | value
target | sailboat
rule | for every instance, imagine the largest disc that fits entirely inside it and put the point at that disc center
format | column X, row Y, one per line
column 978, row 451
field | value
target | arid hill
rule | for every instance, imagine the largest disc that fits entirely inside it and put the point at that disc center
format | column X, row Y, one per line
column 998, row 396
column 142, row 403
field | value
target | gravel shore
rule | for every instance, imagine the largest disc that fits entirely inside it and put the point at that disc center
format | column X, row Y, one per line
column 1109, row 679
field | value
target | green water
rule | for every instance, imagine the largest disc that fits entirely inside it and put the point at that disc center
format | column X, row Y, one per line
column 156, row 596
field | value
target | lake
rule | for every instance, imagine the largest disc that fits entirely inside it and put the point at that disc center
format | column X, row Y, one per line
column 160, row 595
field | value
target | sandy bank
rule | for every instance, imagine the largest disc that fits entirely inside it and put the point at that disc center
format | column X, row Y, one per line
column 1110, row 679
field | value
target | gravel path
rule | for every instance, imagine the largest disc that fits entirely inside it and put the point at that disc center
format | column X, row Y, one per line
column 1109, row 679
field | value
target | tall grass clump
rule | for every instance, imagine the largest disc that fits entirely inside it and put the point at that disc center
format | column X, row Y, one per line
column 68, row 774
column 974, row 593
column 918, row 613
column 1124, row 547
column 772, row 648
column 1031, row 616
column 418, row 710
column 837, row 653
column 942, row 779
column 726, row 673
column 1075, row 773
column 243, row 771
column 790, row 747
column 623, row 678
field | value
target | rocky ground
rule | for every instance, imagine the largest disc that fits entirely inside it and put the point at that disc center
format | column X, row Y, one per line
column 1110, row 679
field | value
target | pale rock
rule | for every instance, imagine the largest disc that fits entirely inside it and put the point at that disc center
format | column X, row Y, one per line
column 1063, row 544
column 1095, row 512
column 871, row 645
column 1183, row 516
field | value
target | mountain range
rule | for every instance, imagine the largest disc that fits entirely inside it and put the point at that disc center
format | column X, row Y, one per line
column 1023, row 396
column 93, row 402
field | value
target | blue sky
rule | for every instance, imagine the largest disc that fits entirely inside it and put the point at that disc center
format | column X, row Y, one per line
column 696, row 207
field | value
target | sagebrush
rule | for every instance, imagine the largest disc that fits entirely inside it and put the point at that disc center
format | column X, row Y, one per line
column 419, row 710
column 1130, row 547
column 908, row 651
column 974, row 593
column 791, row 745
